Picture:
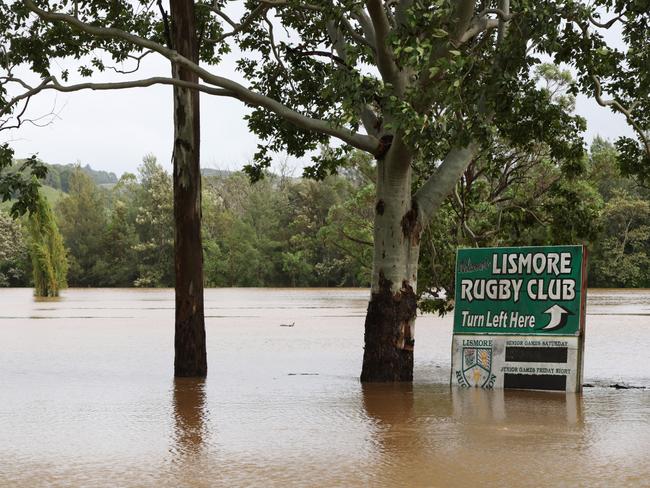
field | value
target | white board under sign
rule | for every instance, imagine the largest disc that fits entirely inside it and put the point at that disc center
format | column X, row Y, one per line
column 515, row 361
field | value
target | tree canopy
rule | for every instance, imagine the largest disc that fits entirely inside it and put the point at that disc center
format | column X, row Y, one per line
column 442, row 75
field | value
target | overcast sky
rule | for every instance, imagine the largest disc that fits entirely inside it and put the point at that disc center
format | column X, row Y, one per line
column 112, row 131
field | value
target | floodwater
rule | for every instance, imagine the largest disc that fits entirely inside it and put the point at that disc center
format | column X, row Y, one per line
column 87, row 399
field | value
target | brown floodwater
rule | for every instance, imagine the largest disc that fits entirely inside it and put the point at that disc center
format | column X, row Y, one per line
column 87, row 399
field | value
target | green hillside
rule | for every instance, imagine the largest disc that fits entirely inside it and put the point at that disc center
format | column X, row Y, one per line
column 55, row 184
column 51, row 194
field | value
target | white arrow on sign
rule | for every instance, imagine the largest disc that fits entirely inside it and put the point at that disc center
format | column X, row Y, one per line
column 559, row 317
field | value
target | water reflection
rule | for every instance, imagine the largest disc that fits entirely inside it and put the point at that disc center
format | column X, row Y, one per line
column 390, row 410
column 47, row 299
column 479, row 406
column 189, row 416
column 434, row 435
column 388, row 404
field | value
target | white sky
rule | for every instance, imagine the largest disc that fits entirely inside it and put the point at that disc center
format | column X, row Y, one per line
column 112, row 131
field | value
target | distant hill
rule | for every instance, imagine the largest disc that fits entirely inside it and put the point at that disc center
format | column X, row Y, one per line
column 52, row 195
column 56, row 183
column 221, row 173
column 58, row 176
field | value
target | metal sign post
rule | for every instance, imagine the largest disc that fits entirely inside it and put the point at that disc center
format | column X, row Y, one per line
column 519, row 318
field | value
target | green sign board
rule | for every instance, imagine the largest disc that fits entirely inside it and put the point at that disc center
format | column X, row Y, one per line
column 520, row 290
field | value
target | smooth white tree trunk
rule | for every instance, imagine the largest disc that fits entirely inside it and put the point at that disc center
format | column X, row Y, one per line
column 400, row 218
column 390, row 321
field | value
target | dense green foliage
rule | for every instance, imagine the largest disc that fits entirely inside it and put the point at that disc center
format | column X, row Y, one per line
column 621, row 256
column 524, row 200
column 19, row 182
column 49, row 263
column 14, row 255
column 274, row 233
column 285, row 231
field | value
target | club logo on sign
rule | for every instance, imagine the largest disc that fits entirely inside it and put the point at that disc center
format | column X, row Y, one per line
column 476, row 368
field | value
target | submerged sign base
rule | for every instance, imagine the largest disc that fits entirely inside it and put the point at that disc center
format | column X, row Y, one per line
column 515, row 361
column 519, row 318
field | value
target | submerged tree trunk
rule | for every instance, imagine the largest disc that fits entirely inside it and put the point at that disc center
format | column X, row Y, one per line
column 400, row 218
column 189, row 340
column 390, row 320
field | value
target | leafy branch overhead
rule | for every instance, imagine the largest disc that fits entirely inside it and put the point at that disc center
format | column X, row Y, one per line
column 442, row 77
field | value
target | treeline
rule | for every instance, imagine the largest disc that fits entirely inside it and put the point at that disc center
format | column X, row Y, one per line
column 285, row 231
column 273, row 233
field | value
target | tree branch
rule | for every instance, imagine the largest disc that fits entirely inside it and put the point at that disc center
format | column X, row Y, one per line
column 354, row 239
column 483, row 23
column 138, row 60
column 167, row 27
column 276, row 52
column 367, row 39
column 283, row 3
column 401, row 10
column 223, row 15
column 504, row 20
column 465, row 28
column 598, row 95
column 237, row 28
column 480, row 25
column 385, row 61
column 463, row 14
column 604, row 25
column 366, row 26
column 368, row 117
column 51, row 83
column 360, row 141
column 434, row 191
column 326, row 54
column 503, row 12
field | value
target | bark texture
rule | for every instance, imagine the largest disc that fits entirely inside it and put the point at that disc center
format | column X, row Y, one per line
column 389, row 341
column 189, row 340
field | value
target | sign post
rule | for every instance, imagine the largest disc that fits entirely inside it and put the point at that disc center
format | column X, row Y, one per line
column 519, row 318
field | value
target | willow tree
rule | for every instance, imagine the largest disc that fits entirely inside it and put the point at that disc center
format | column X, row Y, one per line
column 49, row 262
column 432, row 83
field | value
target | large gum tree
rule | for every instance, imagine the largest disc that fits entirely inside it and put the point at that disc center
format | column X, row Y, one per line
column 190, row 355
column 428, row 83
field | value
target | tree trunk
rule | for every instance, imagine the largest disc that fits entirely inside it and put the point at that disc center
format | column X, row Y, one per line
column 390, row 320
column 189, row 341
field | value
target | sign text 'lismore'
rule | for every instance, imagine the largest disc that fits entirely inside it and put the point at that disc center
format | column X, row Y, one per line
column 551, row 264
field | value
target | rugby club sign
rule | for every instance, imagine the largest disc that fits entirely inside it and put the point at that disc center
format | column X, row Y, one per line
column 519, row 317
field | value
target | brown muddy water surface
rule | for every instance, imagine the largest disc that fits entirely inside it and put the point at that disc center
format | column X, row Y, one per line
column 87, row 399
